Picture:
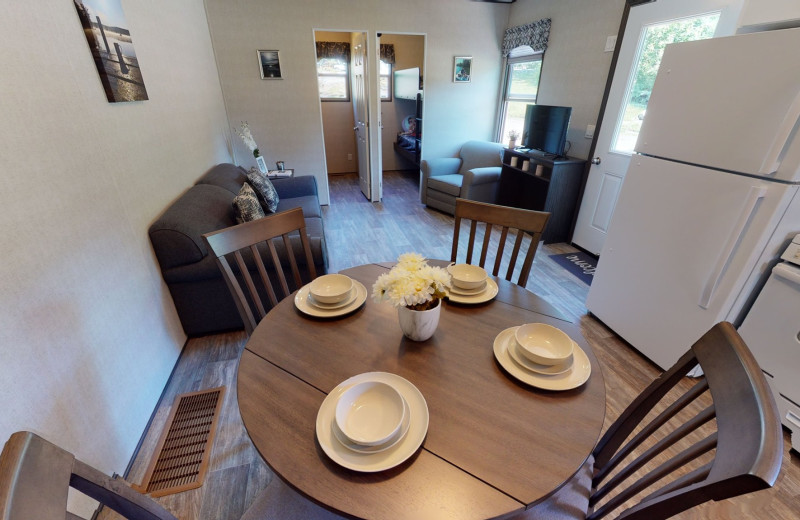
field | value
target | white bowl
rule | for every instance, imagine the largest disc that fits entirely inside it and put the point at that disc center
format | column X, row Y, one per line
column 543, row 343
column 330, row 288
column 467, row 276
column 370, row 413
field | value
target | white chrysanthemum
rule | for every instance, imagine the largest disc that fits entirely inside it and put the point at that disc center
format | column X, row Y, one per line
column 411, row 261
column 412, row 282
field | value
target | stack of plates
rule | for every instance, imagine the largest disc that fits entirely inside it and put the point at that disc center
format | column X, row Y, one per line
column 347, row 302
column 564, row 376
column 389, row 452
column 470, row 284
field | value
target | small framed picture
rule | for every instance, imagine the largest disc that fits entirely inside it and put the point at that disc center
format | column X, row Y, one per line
column 462, row 69
column 270, row 64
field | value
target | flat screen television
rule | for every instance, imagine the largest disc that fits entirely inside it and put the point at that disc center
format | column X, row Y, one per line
column 545, row 128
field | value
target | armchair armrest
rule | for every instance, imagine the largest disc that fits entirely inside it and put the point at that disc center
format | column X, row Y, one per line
column 482, row 175
column 481, row 184
column 440, row 166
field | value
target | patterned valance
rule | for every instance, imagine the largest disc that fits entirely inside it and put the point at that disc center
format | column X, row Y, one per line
column 333, row 50
column 534, row 35
column 387, row 53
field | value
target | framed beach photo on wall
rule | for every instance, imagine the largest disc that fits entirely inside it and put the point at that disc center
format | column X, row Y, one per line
column 270, row 64
column 462, row 69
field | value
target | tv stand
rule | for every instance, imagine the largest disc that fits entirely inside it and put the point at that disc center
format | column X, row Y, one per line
column 548, row 184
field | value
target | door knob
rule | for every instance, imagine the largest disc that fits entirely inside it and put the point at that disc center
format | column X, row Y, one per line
column 596, row 160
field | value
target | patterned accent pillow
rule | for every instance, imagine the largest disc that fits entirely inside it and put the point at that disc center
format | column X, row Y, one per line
column 264, row 189
column 246, row 206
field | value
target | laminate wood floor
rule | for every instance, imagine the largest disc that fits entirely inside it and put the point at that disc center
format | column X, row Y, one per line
column 359, row 232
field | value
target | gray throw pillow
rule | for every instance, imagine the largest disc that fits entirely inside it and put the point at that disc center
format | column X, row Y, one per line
column 264, row 190
column 246, row 206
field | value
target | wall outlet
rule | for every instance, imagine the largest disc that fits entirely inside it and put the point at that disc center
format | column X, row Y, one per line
column 349, row 157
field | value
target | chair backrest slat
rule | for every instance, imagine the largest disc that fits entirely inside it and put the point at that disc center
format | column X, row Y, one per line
column 679, row 404
column 522, row 222
column 689, row 454
column 676, row 435
column 259, row 238
column 741, row 443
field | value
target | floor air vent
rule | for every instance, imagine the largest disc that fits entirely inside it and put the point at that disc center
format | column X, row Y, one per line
column 185, row 446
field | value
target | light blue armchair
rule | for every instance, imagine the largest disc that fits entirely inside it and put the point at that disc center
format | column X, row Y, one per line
column 473, row 175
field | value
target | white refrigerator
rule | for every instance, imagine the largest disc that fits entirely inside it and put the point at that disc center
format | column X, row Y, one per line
column 710, row 199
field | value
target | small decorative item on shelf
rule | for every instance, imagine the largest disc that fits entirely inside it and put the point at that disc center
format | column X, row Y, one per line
column 248, row 139
column 416, row 289
column 513, row 135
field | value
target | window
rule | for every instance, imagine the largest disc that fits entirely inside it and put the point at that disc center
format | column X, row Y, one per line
column 651, row 47
column 386, row 81
column 521, row 87
column 334, row 78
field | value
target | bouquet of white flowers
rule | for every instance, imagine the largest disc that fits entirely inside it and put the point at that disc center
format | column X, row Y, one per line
column 247, row 137
column 412, row 283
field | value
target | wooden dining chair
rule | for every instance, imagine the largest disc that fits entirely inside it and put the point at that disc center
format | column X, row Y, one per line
column 35, row 477
column 248, row 244
column 719, row 439
column 522, row 222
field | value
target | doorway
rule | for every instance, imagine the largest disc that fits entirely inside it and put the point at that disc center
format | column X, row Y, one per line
column 342, row 75
column 649, row 28
column 401, row 66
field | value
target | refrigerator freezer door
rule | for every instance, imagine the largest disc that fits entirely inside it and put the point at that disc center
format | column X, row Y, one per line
column 681, row 245
column 729, row 103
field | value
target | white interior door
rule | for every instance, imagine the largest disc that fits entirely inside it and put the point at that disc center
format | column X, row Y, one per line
column 360, row 109
column 649, row 28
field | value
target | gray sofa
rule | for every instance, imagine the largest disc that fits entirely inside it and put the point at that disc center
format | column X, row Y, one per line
column 473, row 175
column 201, row 297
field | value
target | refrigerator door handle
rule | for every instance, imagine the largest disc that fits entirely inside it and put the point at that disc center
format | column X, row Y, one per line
column 755, row 194
column 772, row 161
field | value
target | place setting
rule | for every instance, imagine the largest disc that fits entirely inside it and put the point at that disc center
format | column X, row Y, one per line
column 542, row 356
column 372, row 422
column 330, row 295
column 470, row 284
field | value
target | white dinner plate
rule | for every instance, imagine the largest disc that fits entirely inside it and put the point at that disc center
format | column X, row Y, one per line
column 579, row 374
column 301, row 302
column 389, row 458
column 516, row 355
column 467, row 292
column 331, row 306
column 484, row 296
column 360, row 448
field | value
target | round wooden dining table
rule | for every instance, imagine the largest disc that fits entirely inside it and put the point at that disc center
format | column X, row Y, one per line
column 494, row 445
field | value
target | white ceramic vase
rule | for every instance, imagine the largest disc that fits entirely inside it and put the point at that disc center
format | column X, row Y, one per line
column 419, row 325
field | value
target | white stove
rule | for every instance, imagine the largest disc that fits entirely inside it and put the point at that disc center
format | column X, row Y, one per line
column 772, row 331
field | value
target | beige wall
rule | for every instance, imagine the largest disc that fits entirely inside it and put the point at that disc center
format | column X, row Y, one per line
column 338, row 122
column 575, row 67
column 280, row 112
column 88, row 333
column 409, row 52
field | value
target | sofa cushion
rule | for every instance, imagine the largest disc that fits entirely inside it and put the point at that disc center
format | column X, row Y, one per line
column 264, row 189
column 450, row 184
column 299, row 186
column 246, row 206
column 176, row 235
column 310, row 205
column 228, row 176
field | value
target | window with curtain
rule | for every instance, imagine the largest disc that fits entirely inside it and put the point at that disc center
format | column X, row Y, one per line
column 386, row 66
column 333, row 71
column 522, row 86
column 523, row 49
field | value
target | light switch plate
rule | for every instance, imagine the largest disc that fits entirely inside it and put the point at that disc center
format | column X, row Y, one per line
column 611, row 42
column 589, row 131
